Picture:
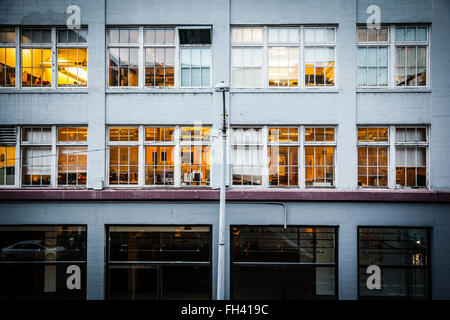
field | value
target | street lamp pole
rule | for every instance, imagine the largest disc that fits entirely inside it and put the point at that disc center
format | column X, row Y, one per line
column 222, row 87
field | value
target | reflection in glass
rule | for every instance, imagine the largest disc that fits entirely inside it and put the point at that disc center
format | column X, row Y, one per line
column 7, row 67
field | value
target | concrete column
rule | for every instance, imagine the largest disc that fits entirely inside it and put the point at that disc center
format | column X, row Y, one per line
column 348, row 261
column 347, row 162
column 97, row 99
column 95, row 261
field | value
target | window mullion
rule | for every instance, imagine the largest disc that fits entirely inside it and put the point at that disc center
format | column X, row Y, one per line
column 177, row 158
column 18, row 160
column 392, row 58
column 141, row 64
column 392, row 158
column 18, row 68
column 264, row 158
column 265, row 70
column 54, row 70
column 301, row 157
column 54, row 161
column 141, row 158
column 301, row 65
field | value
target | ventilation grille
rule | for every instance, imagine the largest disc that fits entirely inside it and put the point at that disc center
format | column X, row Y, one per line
column 7, row 135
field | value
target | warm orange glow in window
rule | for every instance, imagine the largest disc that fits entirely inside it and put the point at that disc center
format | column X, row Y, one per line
column 72, row 67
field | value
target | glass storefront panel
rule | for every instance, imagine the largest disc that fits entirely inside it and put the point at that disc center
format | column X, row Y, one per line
column 270, row 262
column 159, row 262
column 43, row 262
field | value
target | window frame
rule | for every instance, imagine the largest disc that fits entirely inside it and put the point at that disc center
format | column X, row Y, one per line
column 142, row 46
column 375, row 44
column 142, row 144
column 392, row 45
column 265, row 45
column 428, row 267
column 301, row 144
column 18, row 57
column 416, row 144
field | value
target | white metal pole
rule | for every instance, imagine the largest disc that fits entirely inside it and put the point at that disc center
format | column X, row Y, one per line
column 221, row 249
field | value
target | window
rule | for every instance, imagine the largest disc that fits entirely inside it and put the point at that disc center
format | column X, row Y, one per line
column 53, row 156
column 123, row 155
column 172, row 156
column 160, row 156
column 7, row 165
column 281, row 48
column 411, row 146
column 195, row 156
column 7, row 57
column 123, row 57
column 411, row 56
column 373, row 157
column 159, row 57
column 37, row 261
column 319, row 56
column 320, row 146
column 159, row 262
column 403, row 257
column 270, row 156
column 36, row 156
column 36, row 58
column 283, row 156
column 7, row 156
column 72, row 156
column 373, row 57
column 170, row 57
column 270, row 262
column 373, row 149
column 247, row 146
column 49, row 57
column 72, row 58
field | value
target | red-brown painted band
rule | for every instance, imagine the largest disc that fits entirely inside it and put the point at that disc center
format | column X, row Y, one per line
column 233, row 195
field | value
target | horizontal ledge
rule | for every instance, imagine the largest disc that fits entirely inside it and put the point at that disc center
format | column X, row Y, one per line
column 159, row 91
column 297, row 91
column 374, row 90
column 232, row 195
column 45, row 91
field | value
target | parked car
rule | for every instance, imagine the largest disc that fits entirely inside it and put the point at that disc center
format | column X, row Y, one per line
column 32, row 250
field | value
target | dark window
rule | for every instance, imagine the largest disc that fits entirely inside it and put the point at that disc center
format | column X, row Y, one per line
column 195, row 36
column 270, row 262
column 402, row 254
column 35, row 261
column 159, row 262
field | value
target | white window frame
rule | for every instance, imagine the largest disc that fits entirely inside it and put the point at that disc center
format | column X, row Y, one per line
column 53, row 45
column 375, row 44
column 301, row 144
column 141, row 143
column 18, row 58
column 392, row 45
column 141, row 45
column 423, row 144
column 70, row 144
column 301, row 45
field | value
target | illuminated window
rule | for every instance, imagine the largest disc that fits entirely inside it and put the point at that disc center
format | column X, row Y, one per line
column 7, row 165
column 403, row 256
column 159, row 57
column 159, row 155
column 283, row 156
column 7, row 58
column 72, row 61
column 411, row 146
column 36, row 156
column 411, row 56
column 320, row 144
column 123, row 156
column 36, row 61
column 373, row 149
column 319, row 56
column 72, row 156
column 195, row 155
column 123, row 57
column 283, row 60
column 247, row 148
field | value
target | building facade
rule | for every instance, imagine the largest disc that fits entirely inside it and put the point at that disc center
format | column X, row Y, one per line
column 337, row 149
